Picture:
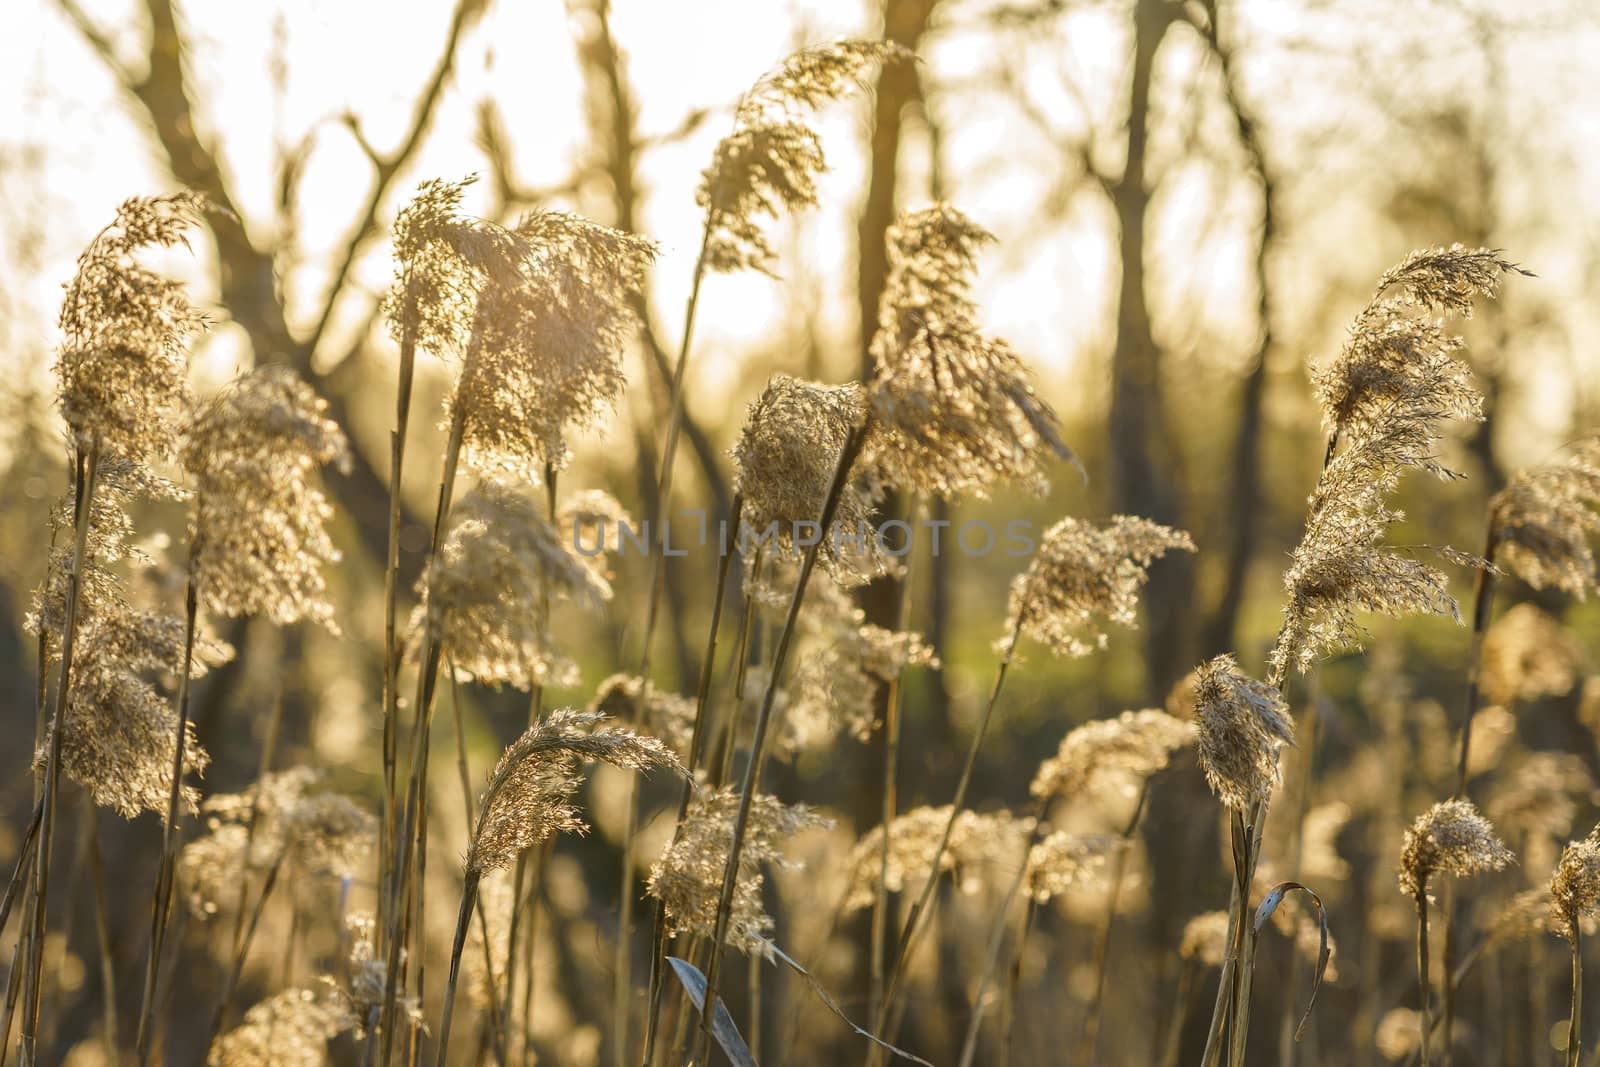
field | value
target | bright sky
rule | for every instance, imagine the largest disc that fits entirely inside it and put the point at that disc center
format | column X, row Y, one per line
column 71, row 149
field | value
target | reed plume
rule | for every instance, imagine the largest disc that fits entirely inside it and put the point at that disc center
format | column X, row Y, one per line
column 1544, row 520
column 289, row 1029
column 1449, row 838
column 257, row 531
column 687, row 879
column 1136, row 744
column 530, row 798
column 482, row 590
column 958, row 410
column 1575, row 892
column 1243, row 723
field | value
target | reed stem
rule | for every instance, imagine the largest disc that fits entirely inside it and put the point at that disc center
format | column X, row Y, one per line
column 752, row 775
column 86, row 471
column 162, row 904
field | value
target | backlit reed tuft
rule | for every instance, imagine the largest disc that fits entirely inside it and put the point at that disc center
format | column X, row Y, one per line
column 842, row 670
column 1541, row 794
column 123, row 363
column 257, row 532
column 529, row 795
column 1082, row 573
column 120, row 730
column 981, row 844
column 1544, row 520
column 1135, row 743
column 290, row 1029
column 1575, row 889
column 482, row 591
column 784, row 463
column 1385, row 399
column 591, row 522
column 1205, row 938
column 664, row 715
column 1243, row 723
column 770, row 163
column 1396, row 360
column 1449, row 838
column 1527, row 655
column 1063, row 861
column 543, row 351
column 316, row 831
column 959, row 411
column 687, row 879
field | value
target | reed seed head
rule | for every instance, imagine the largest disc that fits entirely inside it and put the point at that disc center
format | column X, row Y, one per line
column 123, row 364
column 663, row 715
column 980, row 843
column 785, row 461
column 290, row 1029
column 258, row 531
column 483, row 592
column 1082, row 573
column 1449, row 838
column 529, row 796
column 771, row 160
column 957, row 408
column 1242, row 725
column 1575, row 889
column 1134, row 744
column 687, row 879
column 1545, row 520
column 1063, row 861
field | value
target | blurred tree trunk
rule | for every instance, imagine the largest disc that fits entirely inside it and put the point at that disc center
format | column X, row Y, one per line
column 1242, row 510
column 1145, row 478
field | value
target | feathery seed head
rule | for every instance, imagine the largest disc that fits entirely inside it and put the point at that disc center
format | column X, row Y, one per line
column 978, row 842
column 1082, row 572
column 1242, row 725
column 543, row 353
column 1527, row 654
column 785, row 461
column 122, row 367
column 957, row 408
column 1063, row 861
column 667, row 716
column 482, row 591
column 1544, row 521
column 119, row 730
column 258, row 528
column 1575, row 889
column 687, row 879
column 770, row 162
column 1449, row 838
column 1205, row 938
column 529, row 796
column 1541, row 795
column 1136, row 743
column 290, row 1029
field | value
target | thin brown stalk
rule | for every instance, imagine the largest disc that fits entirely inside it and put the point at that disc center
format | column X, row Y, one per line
column 411, row 841
column 391, row 581
column 915, row 921
column 102, row 930
column 1423, row 987
column 25, row 857
column 529, row 901
column 162, row 904
column 241, row 952
column 752, row 774
column 697, row 743
column 1102, row 944
column 86, row 471
column 469, row 896
column 1574, row 1033
column 891, row 777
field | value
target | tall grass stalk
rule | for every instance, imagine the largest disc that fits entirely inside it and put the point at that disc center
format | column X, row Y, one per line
column 752, row 775
column 1574, row 1024
column 161, row 906
column 86, row 470
column 891, row 777
column 411, row 840
column 698, row 736
column 1102, row 943
column 1424, row 988
column 915, row 920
